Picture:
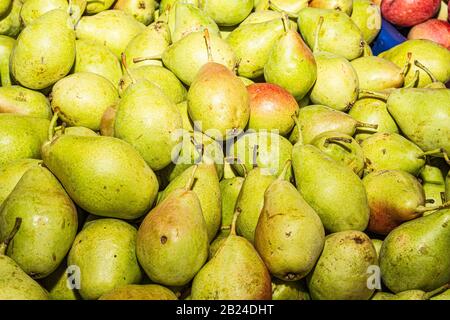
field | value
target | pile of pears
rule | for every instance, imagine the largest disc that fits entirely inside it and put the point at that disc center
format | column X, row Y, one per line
column 228, row 150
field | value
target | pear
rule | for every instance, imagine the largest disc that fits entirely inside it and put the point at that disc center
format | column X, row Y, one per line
column 250, row 201
column 11, row 24
column 433, row 185
column 435, row 83
column 165, row 5
column 218, row 241
column 229, row 13
column 339, row 34
column 228, row 171
column 289, row 290
column 33, row 9
column 237, row 261
column 75, row 131
column 291, row 64
column 95, row 6
column 21, row 137
column 382, row 296
column 289, row 235
column 345, row 6
column 316, row 119
column 430, row 54
column 6, row 46
column 15, row 284
column 377, row 243
column 37, row 66
column 186, row 57
column 142, row 10
column 331, row 188
column 442, row 296
column 291, row 7
column 19, row 100
column 172, row 241
column 183, row 109
column 58, row 284
column 262, row 16
column 5, row 6
column 90, row 57
column 253, row 44
column 147, row 119
column 81, row 99
column 391, row 151
column 341, row 271
column 415, row 254
column 161, row 77
column 148, row 46
column 372, row 111
column 105, row 253
column 394, row 197
column 39, row 248
column 125, row 187
column 342, row 148
column 187, row 18
column 367, row 16
column 140, row 292
column 11, row 173
column 229, row 190
column 375, row 73
column 101, row 29
column 207, row 189
column 418, row 294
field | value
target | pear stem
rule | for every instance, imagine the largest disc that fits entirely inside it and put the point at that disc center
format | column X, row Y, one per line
column 11, row 235
column 208, row 44
column 299, row 128
column 407, row 64
column 360, row 124
column 140, row 59
column 423, row 209
column 413, row 83
column 123, row 58
column 191, row 180
column 285, row 20
column 199, row 147
column 237, row 212
column 446, row 157
column 431, row 294
column 434, row 152
column 373, row 94
column 426, row 70
column 316, row 48
column 255, row 156
column 286, row 168
column 336, row 139
column 52, row 126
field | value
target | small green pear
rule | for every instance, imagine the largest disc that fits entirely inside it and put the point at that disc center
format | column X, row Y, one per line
column 6, row 47
column 33, row 9
column 367, row 16
column 140, row 292
column 229, row 13
column 142, row 10
column 11, row 25
column 433, row 185
column 19, row 100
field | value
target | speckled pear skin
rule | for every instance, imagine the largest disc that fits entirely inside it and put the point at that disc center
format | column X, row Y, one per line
column 375, row 73
column 253, row 44
column 207, row 188
column 140, row 292
column 33, row 9
column 415, row 254
column 430, row 54
column 433, row 183
column 345, row 6
column 21, row 137
column 39, row 248
column 105, row 252
column 19, row 100
column 229, row 13
column 289, row 235
column 56, row 284
column 367, row 16
column 339, row 34
column 423, row 116
column 91, row 57
column 100, row 28
column 6, row 47
column 391, row 151
column 332, row 189
column 142, row 10
column 88, row 168
column 172, row 241
column 229, row 190
column 341, row 271
column 11, row 24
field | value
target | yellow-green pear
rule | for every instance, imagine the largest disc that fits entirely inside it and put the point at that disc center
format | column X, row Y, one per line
column 142, row 10
column 140, row 292
column 33, row 9
column 19, row 100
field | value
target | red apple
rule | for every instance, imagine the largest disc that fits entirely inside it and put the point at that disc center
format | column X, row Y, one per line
column 434, row 30
column 271, row 108
column 408, row 13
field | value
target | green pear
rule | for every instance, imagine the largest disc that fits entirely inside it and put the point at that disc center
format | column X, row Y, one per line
column 435, row 83
column 345, row 6
column 187, row 123
column 377, row 243
column 253, row 45
column 289, row 290
column 140, row 292
column 147, row 119
column 15, row 284
column 161, row 77
column 33, row 9
column 6, row 47
column 291, row 7
column 418, row 294
column 101, row 28
column 329, row 186
column 291, row 64
column 90, row 57
column 430, row 54
column 38, row 248
column 262, row 16
column 218, row 241
column 75, row 131
column 382, row 296
column 82, row 98
column 11, row 173
column 172, row 241
column 367, row 16
column 316, row 119
column 289, row 235
column 186, row 57
column 11, row 25
column 19, row 100
column 95, row 6
column 433, row 185
column 207, row 188
column 342, row 148
column 372, row 111
column 5, row 6
column 341, row 271
column 58, row 284
column 33, row 65
column 125, row 187
column 237, row 261
column 415, row 254
column 229, row 190
column 105, row 253
column 339, row 34
column 167, row 4
column 227, row 13
column 21, row 137
column 142, row 10
column 250, row 201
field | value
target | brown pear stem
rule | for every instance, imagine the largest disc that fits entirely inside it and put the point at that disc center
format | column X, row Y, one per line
column 237, row 212
column 285, row 20
column 336, row 139
column 191, row 180
column 373, row 94
column 426, row 70
column 299, row 128
column 208, row 44
column 413, row 83
column 360, row 124
column 52, row 126
column 125, row 66
column 4, row 245
column 439, row 290
column 286, row 168
column 316, row 48
column 423, row 209
column 434, row 152
column 407, row 64
column 140, row 59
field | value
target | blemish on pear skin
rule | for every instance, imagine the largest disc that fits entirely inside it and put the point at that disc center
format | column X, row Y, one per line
column 163, row 239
